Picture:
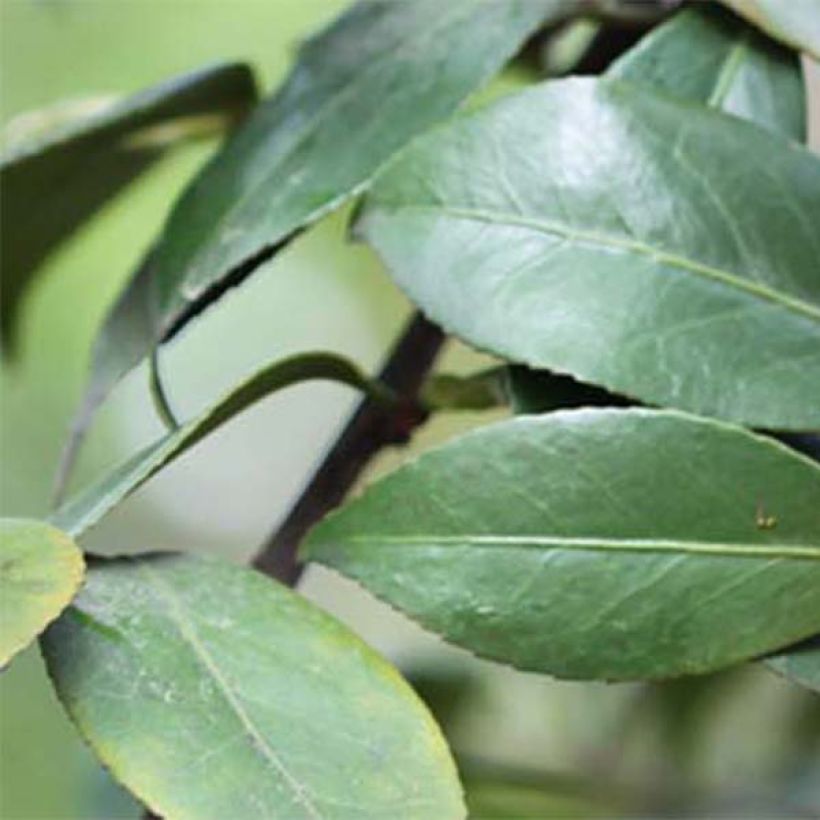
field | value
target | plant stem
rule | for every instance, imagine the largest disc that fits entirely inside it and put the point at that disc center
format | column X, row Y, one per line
column 372, row 427
column 158, row 394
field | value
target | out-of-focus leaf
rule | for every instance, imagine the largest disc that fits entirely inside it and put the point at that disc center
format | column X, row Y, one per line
column 211, row 691
column 361, row 89
column 794, row 22
column 90, row 505
column 78, row 157
column 496, row 799
column 801, row 664
column 41, row 570
column 567, row 47
column 709, row 55
column 615, row 544
column 607, row 232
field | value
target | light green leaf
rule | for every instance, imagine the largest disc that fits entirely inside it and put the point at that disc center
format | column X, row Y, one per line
column 69, row 161
column 708, row 55
column 607, row 232
column 41, row 570
column 83, row 511
column 616, row 544
column 211, row 691
column 794, row 22
column 361, row 89
column 801, row 664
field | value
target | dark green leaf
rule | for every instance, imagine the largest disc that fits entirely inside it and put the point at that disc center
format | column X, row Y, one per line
column 708, row 55
column 621, row 237
column 54, row 181
column 595, row 543
column 381, row 74
column 80, row 513
column 801, row 664
column 794, row 22
column 41, row 570
column 212, row 692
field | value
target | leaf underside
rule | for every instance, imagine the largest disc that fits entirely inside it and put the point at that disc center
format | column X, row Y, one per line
column 85, row 509
column 795, row 22
column 341, row 114
column 801, row 664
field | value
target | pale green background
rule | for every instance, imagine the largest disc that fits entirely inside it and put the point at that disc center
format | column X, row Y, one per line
column 225, row 496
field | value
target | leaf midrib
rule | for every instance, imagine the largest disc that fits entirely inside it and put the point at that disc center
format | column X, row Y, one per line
column 189, row 634
column 714, row 548
column 659, row 255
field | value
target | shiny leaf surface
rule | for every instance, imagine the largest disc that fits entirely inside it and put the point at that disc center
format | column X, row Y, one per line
column 90, row 505
column 616, row 544
column 708, row 55
column 341, row 114
column 55, row 180
column 597, row 229
column 41, row 570
column 211, row 691
column 794, row 22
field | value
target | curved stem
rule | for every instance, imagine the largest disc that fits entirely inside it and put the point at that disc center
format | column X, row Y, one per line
column 158, row 395
column 374, row 426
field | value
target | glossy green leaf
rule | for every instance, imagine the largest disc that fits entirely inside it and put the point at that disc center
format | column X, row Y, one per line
column 801, row 664
column 211, row 691
column 607, row 232
column 41, row 570
column 90, row 505
column 794, row 22
column 78, row 158
column 593, row 543
column 341, row 114
column 709, row 55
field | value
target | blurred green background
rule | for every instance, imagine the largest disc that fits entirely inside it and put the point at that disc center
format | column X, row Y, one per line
column 741, row 744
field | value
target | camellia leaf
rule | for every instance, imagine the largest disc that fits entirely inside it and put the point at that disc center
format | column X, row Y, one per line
column 41, row 570
column 707, row 55
column 606, row 232
column 801, row 664
column 89, row 506
column 211, row 691
column 618, row 544
column 342, row 113
column 795, row 22
column 78, row 157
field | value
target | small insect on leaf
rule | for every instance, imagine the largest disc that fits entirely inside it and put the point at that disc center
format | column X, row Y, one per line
column 763, row 521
